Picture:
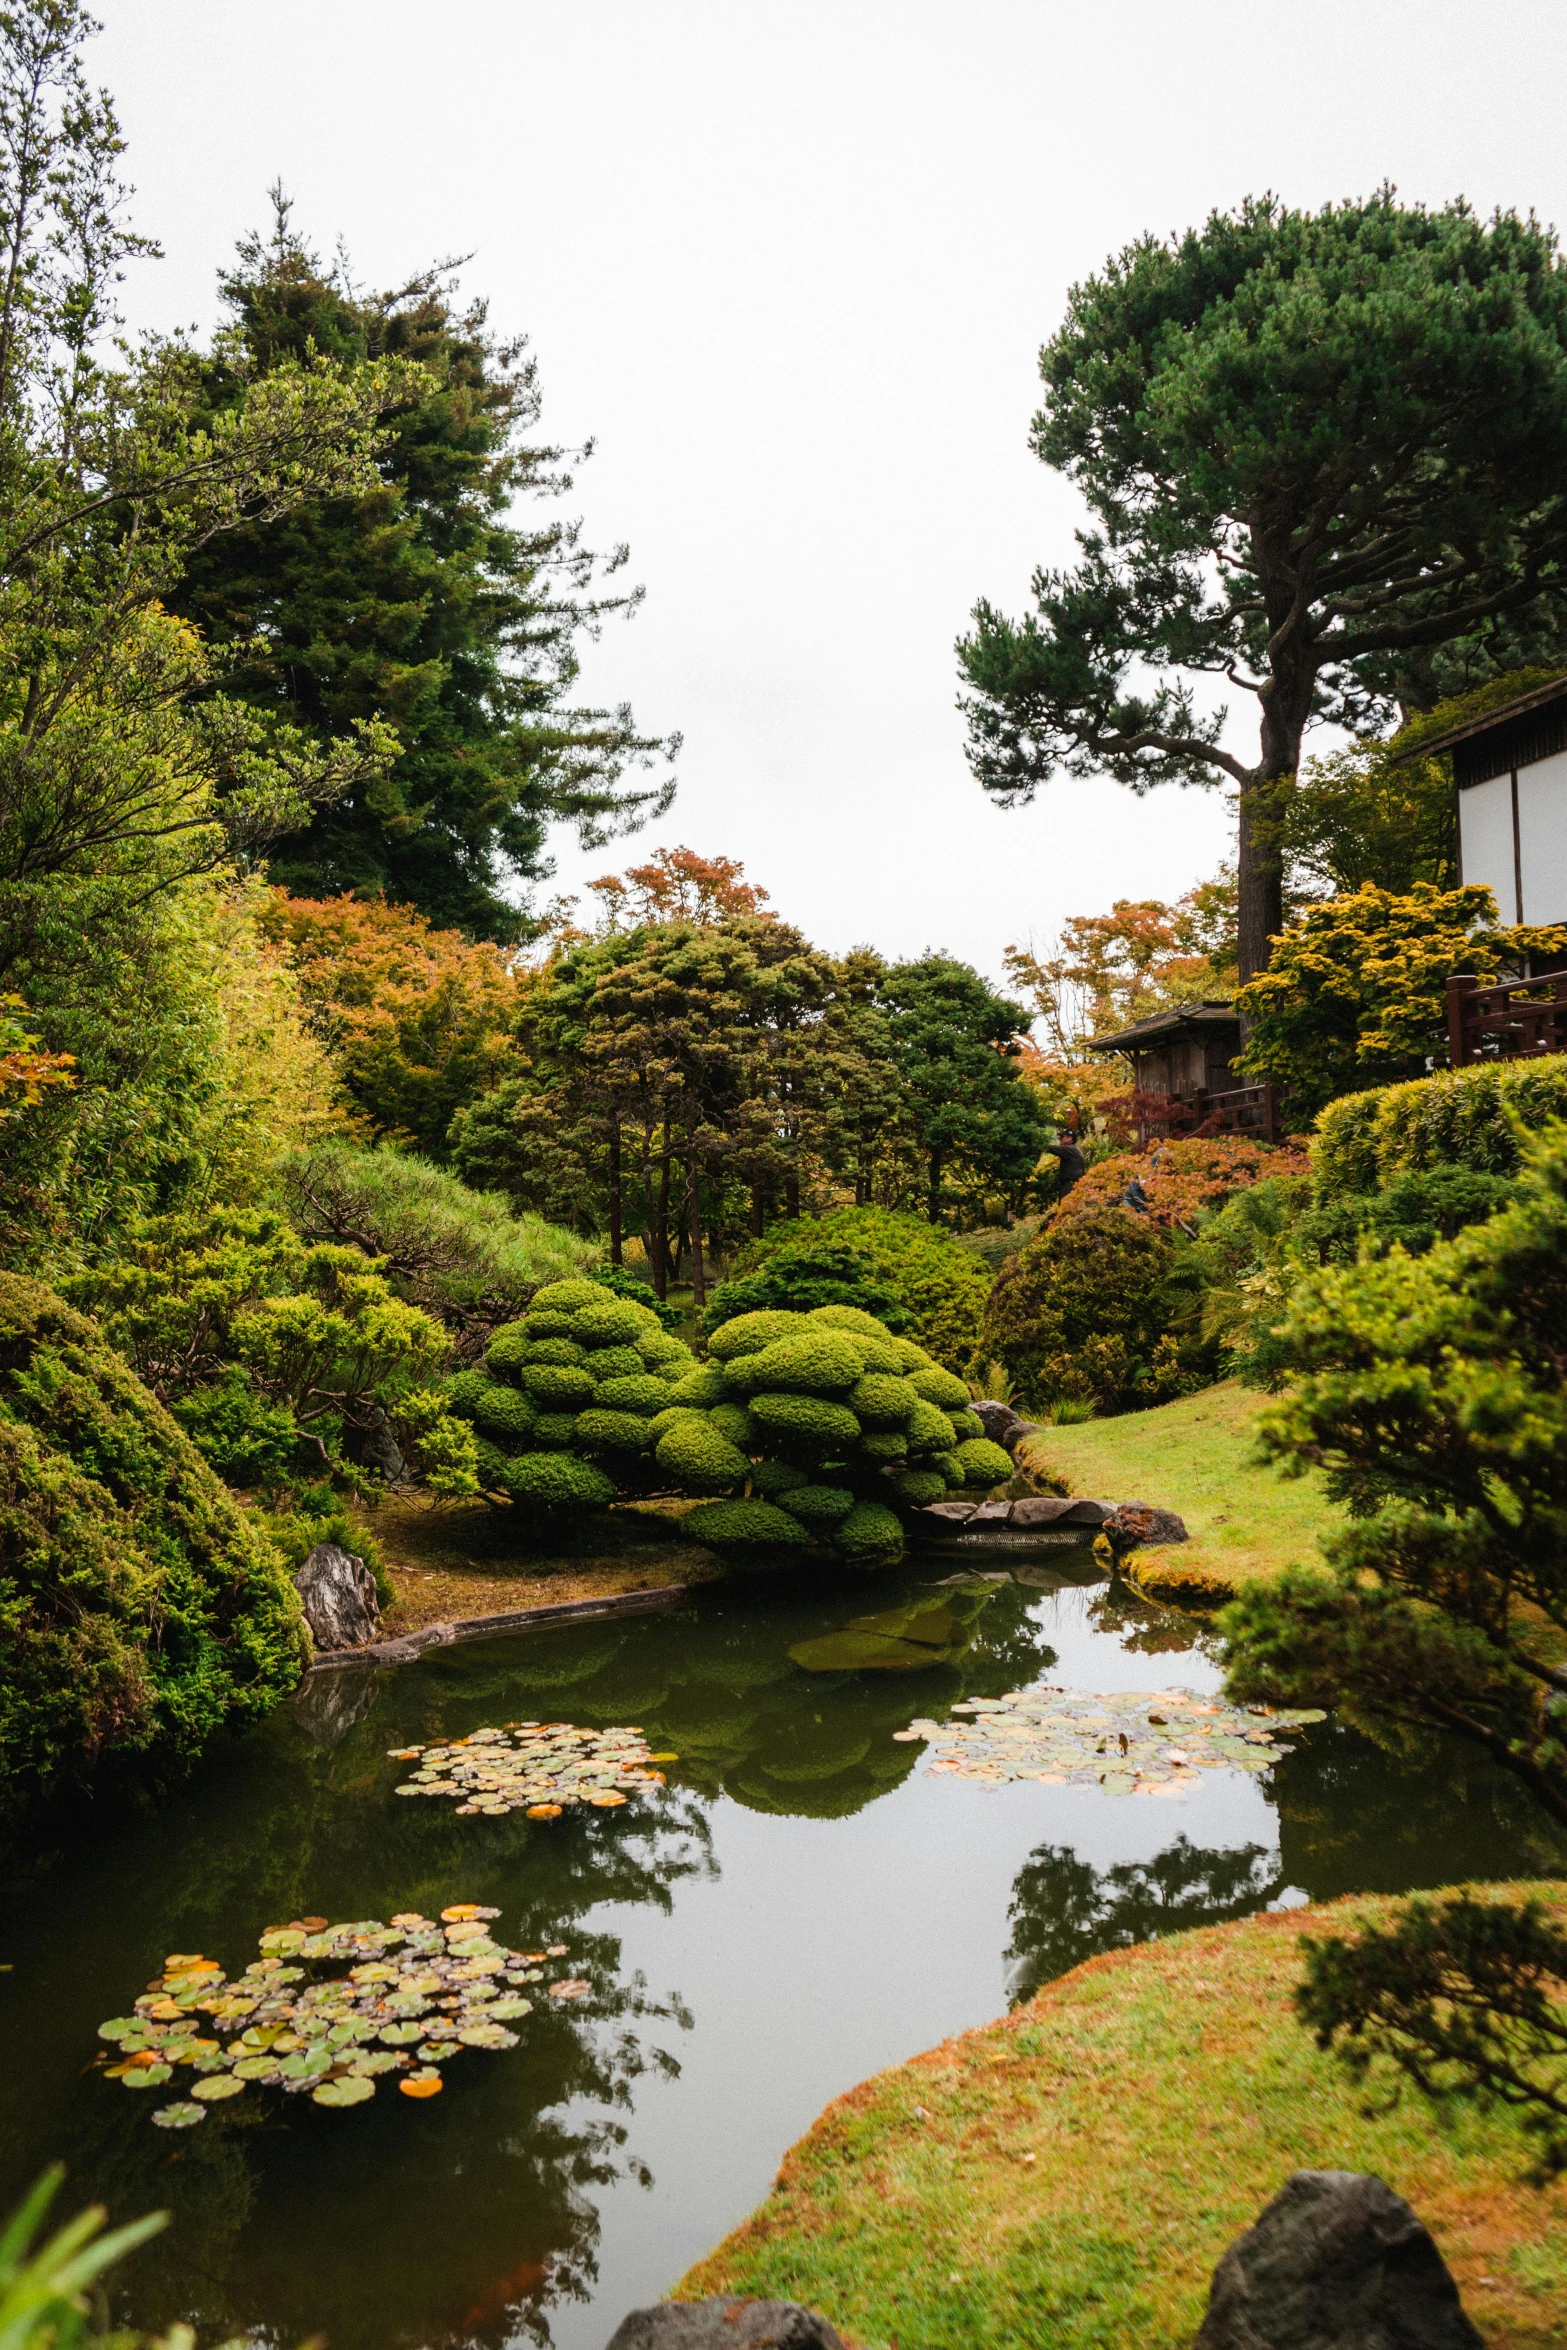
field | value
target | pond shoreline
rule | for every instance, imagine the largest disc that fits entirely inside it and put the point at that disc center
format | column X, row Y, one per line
column 405, row 1646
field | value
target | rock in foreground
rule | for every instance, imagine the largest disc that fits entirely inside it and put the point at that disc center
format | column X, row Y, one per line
column 337, row 1593
column 724, row 2324
column 1336, row 2262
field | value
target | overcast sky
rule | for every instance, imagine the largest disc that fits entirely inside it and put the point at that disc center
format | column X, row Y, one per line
column 790, row 266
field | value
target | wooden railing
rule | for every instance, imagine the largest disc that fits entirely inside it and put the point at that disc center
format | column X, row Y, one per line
column 1513, row 1020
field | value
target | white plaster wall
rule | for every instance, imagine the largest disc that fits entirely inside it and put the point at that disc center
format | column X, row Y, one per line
column 1485, row 836
column 1542, row 838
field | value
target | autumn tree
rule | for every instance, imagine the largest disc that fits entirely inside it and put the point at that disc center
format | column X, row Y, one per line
column 677, row 885
column 1316, row 448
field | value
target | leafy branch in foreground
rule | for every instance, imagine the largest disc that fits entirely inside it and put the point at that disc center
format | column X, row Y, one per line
column 1458, row 1995
column 1432, row 1393
column 44, row 2287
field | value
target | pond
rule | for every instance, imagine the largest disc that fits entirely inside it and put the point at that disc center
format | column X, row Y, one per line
column 804, row 1902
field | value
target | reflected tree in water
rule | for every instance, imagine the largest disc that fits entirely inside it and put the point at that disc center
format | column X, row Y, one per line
column 1064, row 1910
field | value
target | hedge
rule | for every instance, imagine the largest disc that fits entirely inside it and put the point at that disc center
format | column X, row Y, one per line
column 1460, row 1117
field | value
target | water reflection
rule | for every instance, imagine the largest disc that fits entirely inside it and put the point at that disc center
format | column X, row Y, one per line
column 492, row 2212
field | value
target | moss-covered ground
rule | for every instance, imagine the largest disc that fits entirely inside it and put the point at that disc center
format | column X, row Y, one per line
column 456, row 1559
column 1067, row 2178
column 1194, row 1457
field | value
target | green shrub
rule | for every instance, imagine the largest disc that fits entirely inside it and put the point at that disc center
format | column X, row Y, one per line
column 1460, row 1117
column 317, row 1514
column 939, row 1283
column 1094, row 1309
column 882, row 1401
column 820, row 1505
column 622, row 1283
column 602, row 1431
column 809, row 1278
column 622, row 1362
column 617, row 1323
column 566, row 1354
column 144, row 1610
column 883, row 1444
column 745, row 1525
column 700, row 1459
column 806, row 1424
column 508, row 1348
column 870, row 1534
column 917, row 1488
column 555, row 1428
column 657, row 1347
column 558, row 1480
column 941, row 1388
column 982, row 1462
column 818, row 1362
column 732, row 1420
column 964, row 1425
column 933, row 1430
column 505, row 1413
column 248, row 1441
column 702, row 1386
column 775, row 1477
column 747, row 1334
column 644, row 1394
column 557, row 1387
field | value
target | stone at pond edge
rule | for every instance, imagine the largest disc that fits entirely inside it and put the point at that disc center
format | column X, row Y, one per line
column 724, row 2324
column 337, row 1593
column 1336, row 2262
column 1137, row 1524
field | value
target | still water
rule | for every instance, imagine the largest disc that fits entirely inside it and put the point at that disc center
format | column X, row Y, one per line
column 800, row 1906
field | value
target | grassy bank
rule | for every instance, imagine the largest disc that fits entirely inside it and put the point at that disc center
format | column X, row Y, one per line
column 1069, row 2176
column 1194, row 1457
column 455, row 1559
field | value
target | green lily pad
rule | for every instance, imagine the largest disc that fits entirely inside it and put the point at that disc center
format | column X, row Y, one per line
column 352, row 2091
column 147, row 2076
column 181, row 2116
column 401, row 2035
column 486, row 2036
column 256, row 2068
column 506, row 2010
column 437, row 2051
column 219, row 2086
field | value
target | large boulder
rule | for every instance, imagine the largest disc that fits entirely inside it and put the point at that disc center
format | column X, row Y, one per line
column 337, row 1592
column 724, row 2324
column 1336, row 2262
column 1140, row 1525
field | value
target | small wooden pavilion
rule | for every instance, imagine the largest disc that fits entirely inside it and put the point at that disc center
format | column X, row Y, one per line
column 1183, row 1074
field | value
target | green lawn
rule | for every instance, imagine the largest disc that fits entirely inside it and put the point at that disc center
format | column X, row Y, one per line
column 1194, row 1457
column 1067, row 2178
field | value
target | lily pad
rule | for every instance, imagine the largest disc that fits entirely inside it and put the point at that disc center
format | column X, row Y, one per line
column 487, row 2036
column 421, row 2084
column 147, row 2076
column 506, row 2010
column 355, row 2090
column 219, row 2086
column 401, row 2035
column 180, row 2116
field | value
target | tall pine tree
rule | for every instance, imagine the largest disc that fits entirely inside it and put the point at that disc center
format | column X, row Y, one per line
column 424, row 602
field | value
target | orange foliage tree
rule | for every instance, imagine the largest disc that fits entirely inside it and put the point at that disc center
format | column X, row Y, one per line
column 676, row 885
column 1181, row 1178
column 25, row 1068
column 1142, row 957
column 419, row 1020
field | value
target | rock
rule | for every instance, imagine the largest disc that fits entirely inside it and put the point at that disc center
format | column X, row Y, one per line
column 1040, row 1509
column 1002, row 1424
column 1136, row 1525
column 1088, row 1513
column 337, row 1592
column 992, row 1513
column 724, row 2324
column 948, row 1513
column 1336, row 2262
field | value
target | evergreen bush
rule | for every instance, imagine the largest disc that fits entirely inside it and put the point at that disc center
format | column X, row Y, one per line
column 939, row 1284
column 1094, row 1310
column 787, row 1406
column 144, row 1610
column 1460, row 1117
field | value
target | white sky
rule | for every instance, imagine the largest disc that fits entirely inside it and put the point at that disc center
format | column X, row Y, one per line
column 791, row 266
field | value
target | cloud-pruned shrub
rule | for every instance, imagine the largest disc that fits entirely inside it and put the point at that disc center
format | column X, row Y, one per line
column 938, row 1283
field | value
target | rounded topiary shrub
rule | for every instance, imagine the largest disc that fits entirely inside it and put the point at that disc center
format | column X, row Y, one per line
column 143, row 1609
column 829, row 1407
column 1092, row 1311
column 940, row 1286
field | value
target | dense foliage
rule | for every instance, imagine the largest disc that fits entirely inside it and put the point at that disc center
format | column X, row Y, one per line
column 1357, row 990
column 420, row 600
column 802, row 1275
column 1098, row 1308
column 1466, row 1999
column 1432, row 1392
column 1315, row 447
column 938, row 1283
column 1474, row 1117
column 1179, row 1180
column 803, row 1427
column 143, row 1609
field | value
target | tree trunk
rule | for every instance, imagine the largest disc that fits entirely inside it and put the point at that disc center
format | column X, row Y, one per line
column 1260, row 876
column 661, row 1229
column 616, row 1250
column 698, row 1279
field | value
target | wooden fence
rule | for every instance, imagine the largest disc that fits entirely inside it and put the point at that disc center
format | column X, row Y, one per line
column 1514, row 1020
column 1251, row 1110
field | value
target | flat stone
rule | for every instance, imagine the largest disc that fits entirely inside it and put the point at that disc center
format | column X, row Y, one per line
column 1041, row 1509
column 1139, row 1525
column 991, row 1513
column 948, row 1513
column 337, row 1592
column 1336, row 2262
column 724, row 2324
column 1088, row 1513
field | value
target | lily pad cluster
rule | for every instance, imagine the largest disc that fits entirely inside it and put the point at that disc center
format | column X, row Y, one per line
column 814, row 1429
column 405, row 1999
column 539, row 1768
column 1134, row 1742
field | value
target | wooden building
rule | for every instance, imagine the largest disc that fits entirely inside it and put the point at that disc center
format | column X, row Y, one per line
column 1183, row 1053
column 1510, row 785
